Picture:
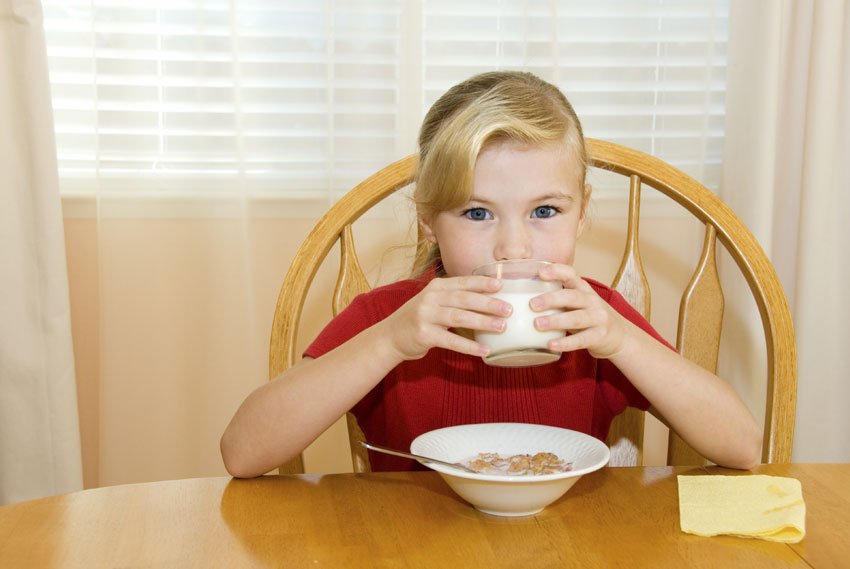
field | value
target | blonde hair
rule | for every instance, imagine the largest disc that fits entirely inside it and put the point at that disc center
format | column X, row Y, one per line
column 487, row 108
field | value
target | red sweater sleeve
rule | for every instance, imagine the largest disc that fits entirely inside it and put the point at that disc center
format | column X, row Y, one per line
column 364, row 311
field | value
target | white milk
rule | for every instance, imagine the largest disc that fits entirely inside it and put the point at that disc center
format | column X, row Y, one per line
column 520, row 333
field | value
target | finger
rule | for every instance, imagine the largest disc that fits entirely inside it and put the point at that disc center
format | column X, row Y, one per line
column 471, row 293
column 572, row 320
column 571, row 342
column 458, row 318
column 564, row 273
column 477, row 302
column 590, row 340
column 475, row 283
column 564, row 298
column 458, row 343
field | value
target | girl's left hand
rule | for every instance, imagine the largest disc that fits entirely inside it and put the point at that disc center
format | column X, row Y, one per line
column 590, row 322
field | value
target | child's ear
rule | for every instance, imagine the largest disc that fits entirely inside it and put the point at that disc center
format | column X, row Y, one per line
column 426, row 230
column 585, row 202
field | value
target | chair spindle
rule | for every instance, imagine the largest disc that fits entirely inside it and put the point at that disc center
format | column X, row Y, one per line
column 700, row 322
column 351, row 280
column 626, row 434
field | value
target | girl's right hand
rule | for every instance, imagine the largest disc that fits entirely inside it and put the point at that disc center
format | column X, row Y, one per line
column 426, row 320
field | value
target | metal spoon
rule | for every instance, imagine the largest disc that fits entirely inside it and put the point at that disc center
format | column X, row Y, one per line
column 415, row 456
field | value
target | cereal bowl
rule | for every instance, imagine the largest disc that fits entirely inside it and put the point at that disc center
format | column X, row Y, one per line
column 506, row 494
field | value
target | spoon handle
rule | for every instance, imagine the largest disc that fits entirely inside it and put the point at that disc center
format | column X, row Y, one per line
column 387, row 450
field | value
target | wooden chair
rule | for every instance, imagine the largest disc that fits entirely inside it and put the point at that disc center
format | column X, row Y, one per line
column 700, row 312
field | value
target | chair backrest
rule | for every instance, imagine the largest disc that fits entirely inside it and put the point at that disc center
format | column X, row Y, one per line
column 700, row 312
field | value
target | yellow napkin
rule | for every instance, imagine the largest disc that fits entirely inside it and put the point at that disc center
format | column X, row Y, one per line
column 765, row 507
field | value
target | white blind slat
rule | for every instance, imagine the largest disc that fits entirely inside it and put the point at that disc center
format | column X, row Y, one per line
column 288, row 97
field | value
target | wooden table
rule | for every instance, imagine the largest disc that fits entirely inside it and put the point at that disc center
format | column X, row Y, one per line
column 616, row 517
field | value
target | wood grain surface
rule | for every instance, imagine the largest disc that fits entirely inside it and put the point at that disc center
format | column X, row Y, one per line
column 615, row 517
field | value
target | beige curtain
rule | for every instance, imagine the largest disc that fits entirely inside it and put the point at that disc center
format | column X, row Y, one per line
column 786, row 174
column 39, row 433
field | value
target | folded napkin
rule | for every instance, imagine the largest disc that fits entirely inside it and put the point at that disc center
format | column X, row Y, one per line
column 764, row 507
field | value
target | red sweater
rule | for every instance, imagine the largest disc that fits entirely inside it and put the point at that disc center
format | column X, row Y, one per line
column 447, row 388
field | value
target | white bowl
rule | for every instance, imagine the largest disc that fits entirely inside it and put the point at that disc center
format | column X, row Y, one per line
column 505, row 495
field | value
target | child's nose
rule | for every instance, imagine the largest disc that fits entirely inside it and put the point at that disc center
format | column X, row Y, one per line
column 513, row 243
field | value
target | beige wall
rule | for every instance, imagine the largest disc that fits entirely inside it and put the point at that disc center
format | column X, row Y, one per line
column 171, row 319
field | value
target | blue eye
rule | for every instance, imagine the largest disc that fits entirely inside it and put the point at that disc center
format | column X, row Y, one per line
column 477, row 214
column 544, row 211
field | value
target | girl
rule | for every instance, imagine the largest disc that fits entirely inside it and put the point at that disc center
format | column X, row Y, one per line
column 501, row 175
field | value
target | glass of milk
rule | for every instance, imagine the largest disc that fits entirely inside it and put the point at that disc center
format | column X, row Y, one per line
column 520, row 344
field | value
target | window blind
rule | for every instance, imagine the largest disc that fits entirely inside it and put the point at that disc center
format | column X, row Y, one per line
column 292, row 98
